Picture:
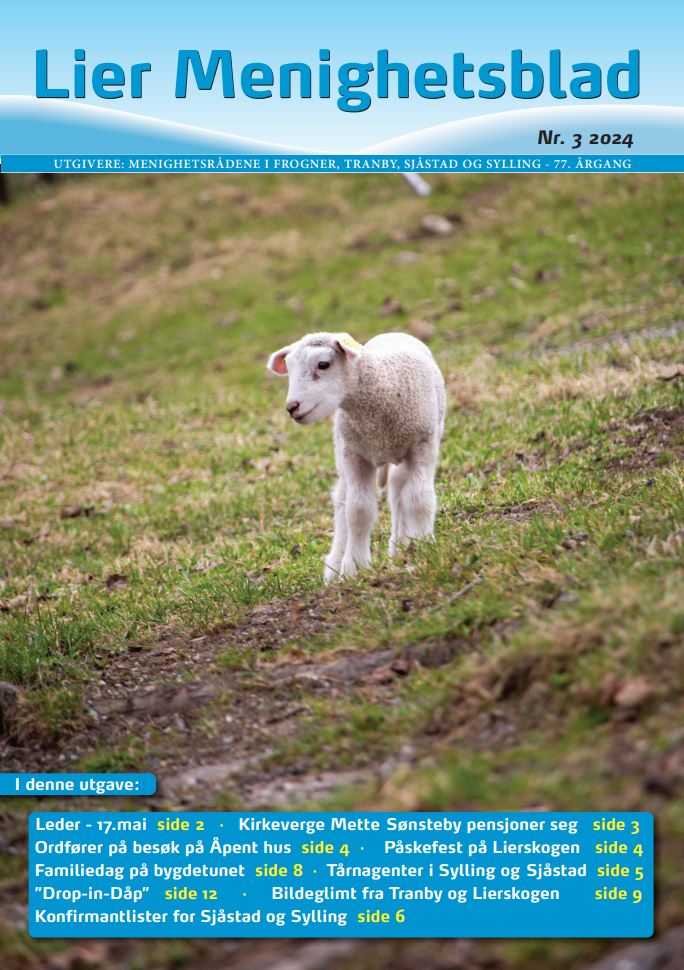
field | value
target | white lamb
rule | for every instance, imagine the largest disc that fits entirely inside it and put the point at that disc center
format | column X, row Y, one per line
column 389, row 402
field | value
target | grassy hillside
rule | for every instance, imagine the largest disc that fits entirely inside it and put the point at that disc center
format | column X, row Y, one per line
column 162, row 523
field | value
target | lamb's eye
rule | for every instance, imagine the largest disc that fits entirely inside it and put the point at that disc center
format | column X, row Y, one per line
column 323, row 364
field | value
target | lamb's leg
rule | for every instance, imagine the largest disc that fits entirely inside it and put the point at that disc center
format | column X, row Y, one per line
column 361, row 510
column 398, row 475
column 417, row 502
column 333, row 561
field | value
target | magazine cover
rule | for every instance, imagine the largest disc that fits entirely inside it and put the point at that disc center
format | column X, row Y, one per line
column 341, row 486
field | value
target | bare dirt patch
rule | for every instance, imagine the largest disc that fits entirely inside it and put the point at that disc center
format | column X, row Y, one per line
column 649, row 435
column 374, row 668
column 208, row 727
column 520, row 511
column 270, row 625
column 158, row 693
column 274, row 702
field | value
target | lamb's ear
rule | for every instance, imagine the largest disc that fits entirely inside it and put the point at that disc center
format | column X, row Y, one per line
column 348, row 346
column 276, row 362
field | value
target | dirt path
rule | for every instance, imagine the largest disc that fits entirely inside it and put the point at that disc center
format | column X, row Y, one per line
column 208, row 732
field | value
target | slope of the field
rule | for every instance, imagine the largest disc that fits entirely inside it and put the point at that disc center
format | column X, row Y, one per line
column 162, row 524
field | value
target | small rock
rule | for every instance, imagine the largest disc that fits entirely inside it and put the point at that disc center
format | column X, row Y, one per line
column 422, row 329
column 74, row 511
column 405, row 257
column 401, row 666
column 381, row 675
column 671, row 373
column 390, row 307
column 633, row 692
column 578, row 241
column 437, row 225
column 15, row 603
column 574, row 539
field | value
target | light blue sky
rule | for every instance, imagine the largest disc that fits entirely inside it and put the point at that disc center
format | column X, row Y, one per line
column 275, row 32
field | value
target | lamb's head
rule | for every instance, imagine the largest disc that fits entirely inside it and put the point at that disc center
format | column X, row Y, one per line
column 320, row 371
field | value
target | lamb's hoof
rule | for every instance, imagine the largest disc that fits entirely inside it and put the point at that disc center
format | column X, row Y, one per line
column 351, row 567
column 331, row 573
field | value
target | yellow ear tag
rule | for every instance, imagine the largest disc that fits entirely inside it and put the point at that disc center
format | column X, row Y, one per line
column 350, row 344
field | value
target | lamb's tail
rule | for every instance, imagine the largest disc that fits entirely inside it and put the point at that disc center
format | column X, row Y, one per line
column 383, row 475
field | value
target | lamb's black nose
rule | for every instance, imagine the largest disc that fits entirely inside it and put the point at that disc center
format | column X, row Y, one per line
column 292, row 407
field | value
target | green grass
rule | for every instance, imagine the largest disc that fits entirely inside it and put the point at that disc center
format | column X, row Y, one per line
column 151, row 486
